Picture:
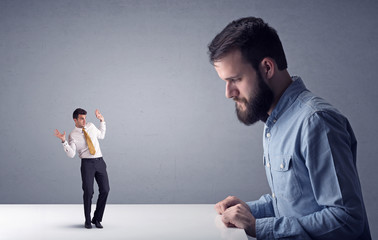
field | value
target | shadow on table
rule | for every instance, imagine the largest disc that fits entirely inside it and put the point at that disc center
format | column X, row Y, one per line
column 74, row 226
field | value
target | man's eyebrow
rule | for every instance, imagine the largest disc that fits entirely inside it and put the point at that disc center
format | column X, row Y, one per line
column 232, row 77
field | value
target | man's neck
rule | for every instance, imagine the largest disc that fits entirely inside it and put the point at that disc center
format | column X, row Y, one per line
column 279, row 84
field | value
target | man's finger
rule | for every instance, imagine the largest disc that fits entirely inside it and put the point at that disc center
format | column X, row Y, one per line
column 230, row 201
column 230, row 225
column 218, row 208
column 227, row 218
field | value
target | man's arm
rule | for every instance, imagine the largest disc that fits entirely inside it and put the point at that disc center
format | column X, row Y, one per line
column 69, row 148
column 263, row 207
column 102, row 129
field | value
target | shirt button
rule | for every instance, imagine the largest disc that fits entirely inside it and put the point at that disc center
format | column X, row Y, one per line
column 268, row 135
column 274, row 120
column 281, row 166
column 268, row 165
column 273, row 195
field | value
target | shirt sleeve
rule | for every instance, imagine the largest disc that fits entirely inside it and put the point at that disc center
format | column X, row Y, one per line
column 70, row 147
column 101, row 131
column 262, row 208
column 329, row 150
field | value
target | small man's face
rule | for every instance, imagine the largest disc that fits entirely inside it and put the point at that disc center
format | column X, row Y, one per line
column 80, row 121
column 245, row 86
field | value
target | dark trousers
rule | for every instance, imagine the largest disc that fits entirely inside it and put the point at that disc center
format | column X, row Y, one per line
column 94, row 168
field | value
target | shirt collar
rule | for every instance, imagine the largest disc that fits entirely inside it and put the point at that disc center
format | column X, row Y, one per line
column 286, row 100
column 78, row 129
column 81, row 129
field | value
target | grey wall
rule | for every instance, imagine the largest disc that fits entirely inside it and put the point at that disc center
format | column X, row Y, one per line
column 172, row 136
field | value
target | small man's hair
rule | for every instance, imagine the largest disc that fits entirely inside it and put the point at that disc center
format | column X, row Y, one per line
column 78, row 111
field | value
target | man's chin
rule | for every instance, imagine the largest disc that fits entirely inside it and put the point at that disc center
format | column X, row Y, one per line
column 245, row 118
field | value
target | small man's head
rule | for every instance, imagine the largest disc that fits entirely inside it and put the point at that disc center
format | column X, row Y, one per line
column 246, row 54
column 79, row 117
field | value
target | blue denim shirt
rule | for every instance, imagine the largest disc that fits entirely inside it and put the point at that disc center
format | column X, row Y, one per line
column 310, row 164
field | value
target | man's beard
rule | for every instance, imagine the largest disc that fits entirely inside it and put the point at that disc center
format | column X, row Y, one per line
column 258, row 105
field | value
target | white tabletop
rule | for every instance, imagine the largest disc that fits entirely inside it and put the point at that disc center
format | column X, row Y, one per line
column 134, row 221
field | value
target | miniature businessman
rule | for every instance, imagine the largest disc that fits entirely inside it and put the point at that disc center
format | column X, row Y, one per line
column 84, row 140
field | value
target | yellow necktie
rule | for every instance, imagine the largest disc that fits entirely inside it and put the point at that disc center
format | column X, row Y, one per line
column 89, row 143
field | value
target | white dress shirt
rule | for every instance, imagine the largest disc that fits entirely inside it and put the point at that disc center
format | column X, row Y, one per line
column 77, row 142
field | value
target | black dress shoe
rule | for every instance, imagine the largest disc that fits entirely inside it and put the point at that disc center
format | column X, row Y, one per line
column 88, row 225
column 97, row 224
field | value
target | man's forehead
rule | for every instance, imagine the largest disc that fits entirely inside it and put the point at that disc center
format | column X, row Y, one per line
column 229, row 66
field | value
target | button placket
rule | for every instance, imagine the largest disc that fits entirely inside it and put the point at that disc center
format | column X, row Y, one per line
column 267, row 139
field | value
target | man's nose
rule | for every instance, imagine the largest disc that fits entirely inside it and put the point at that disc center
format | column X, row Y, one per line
column 231, row 90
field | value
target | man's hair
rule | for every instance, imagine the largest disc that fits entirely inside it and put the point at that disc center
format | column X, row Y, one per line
column 253, row 37
column 78, row 111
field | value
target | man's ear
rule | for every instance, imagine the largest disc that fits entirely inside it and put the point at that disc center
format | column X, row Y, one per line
column 268, row 68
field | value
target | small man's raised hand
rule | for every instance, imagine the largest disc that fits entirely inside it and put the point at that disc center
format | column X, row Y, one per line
column 99, row 115
column 60, row 135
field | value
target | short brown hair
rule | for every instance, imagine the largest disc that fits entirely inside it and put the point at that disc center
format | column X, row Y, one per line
column 253, row 37
column 77, row 112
